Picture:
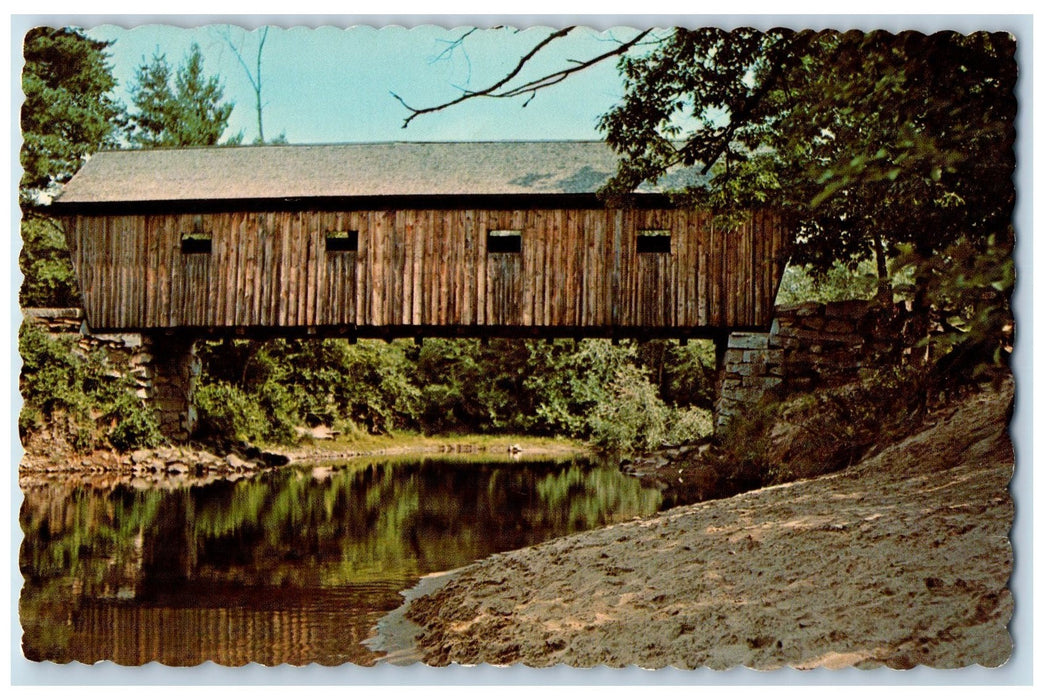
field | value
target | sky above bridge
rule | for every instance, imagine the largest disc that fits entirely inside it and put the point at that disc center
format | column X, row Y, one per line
column 335, row 84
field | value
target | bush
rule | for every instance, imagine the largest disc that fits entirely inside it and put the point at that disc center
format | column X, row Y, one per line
column 686, row 425
column 224, row 412
column 456, row 385
column 134, row 426
column 48, row 278
column 632, row 416
column 76, row 394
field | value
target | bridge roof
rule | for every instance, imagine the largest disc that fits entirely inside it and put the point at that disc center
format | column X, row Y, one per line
column 400, row 169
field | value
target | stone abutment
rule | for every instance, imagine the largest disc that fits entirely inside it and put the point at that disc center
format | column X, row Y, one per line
column 161, row 369
column 810, row 346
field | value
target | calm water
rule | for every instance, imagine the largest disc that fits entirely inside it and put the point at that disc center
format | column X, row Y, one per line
column 294, row 566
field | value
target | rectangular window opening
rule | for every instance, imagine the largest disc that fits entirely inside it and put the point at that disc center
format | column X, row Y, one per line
column 654, row 240
column 342, row 241
column 195, row 243
column 504, row 241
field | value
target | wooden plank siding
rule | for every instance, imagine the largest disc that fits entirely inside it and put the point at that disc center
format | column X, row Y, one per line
column 427, row 268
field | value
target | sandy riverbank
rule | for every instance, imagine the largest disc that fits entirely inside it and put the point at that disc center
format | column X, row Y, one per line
column 900, row 560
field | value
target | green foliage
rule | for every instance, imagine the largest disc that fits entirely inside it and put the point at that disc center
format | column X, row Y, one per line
column 465, row 384
column 224, row 411
column 181, row 108
column 569, row 384
column 81, row 395
column 684, row 374
column 866, row 140
column 69, row 111
column 968, row 286
column 633, row 416
column 133, row 424
column 854, row 280
column 44, row 260
column 447, row 386
column 686, row 425
column 271, row 387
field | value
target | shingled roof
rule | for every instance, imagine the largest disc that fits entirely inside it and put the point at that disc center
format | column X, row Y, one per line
column 403, row 169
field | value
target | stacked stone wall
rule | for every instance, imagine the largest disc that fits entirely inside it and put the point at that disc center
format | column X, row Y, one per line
column 162, row 369
column 813, row 345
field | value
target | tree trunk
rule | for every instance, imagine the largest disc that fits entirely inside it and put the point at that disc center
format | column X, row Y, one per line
column 884, row 282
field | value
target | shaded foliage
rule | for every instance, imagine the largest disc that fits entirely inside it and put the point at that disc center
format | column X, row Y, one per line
column 877, row 146
column 48, row 277
column 68, row 112
column 868, row 140
column 259, row 391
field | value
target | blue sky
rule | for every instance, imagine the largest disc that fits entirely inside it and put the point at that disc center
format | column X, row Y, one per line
column 332, row 85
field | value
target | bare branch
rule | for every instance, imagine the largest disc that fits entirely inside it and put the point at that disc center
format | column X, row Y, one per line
column 254, row 78
column 528, row 88
column 451, row 46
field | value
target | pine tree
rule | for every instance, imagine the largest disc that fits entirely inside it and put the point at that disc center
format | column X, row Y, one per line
column 188, row 113
column 68, row 113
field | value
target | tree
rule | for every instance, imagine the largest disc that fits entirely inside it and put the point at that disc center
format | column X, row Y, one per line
column 68, row 113
column 867, row 140
column 877, row 146
column 188, row 112
column 255, row 79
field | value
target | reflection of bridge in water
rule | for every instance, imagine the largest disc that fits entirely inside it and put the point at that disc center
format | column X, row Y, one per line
column 296, row 626
column 405, row 240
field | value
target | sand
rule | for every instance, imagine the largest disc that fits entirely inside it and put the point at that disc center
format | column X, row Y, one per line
column 900, row 560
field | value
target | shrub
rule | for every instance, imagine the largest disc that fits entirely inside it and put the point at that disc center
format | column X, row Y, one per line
column 134, row 425
column 76, row 393
column 686, row 425
column 632, row 416
column 224, row 411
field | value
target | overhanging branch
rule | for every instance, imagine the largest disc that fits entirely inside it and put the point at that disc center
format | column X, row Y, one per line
column 531, row 87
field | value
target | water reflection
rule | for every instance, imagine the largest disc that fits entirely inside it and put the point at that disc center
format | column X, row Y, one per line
column 293, row 566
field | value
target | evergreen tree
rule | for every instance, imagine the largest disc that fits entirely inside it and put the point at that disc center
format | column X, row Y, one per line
column 68, row 113
column 189, row 112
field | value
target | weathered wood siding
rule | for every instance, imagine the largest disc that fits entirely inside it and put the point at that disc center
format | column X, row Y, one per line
column 578, row 268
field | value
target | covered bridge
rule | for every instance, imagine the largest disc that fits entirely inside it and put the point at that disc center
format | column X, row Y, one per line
column 405, row 239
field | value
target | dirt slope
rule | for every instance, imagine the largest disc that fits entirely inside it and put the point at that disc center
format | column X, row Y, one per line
column 900, row 560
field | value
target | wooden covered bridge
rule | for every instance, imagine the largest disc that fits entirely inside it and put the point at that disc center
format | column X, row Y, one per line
column 405, row 239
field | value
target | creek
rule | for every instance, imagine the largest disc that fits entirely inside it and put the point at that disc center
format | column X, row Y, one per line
column 289, row 566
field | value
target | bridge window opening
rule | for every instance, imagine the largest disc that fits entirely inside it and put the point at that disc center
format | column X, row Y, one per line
column 654, row 240
column 195, row 243
column 342, row 241
column 504, row 241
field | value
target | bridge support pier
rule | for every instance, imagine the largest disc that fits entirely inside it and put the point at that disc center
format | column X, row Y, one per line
column 174, row 369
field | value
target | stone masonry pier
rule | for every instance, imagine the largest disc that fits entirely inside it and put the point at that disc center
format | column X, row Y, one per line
column 812, row 345
column 162, row 368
